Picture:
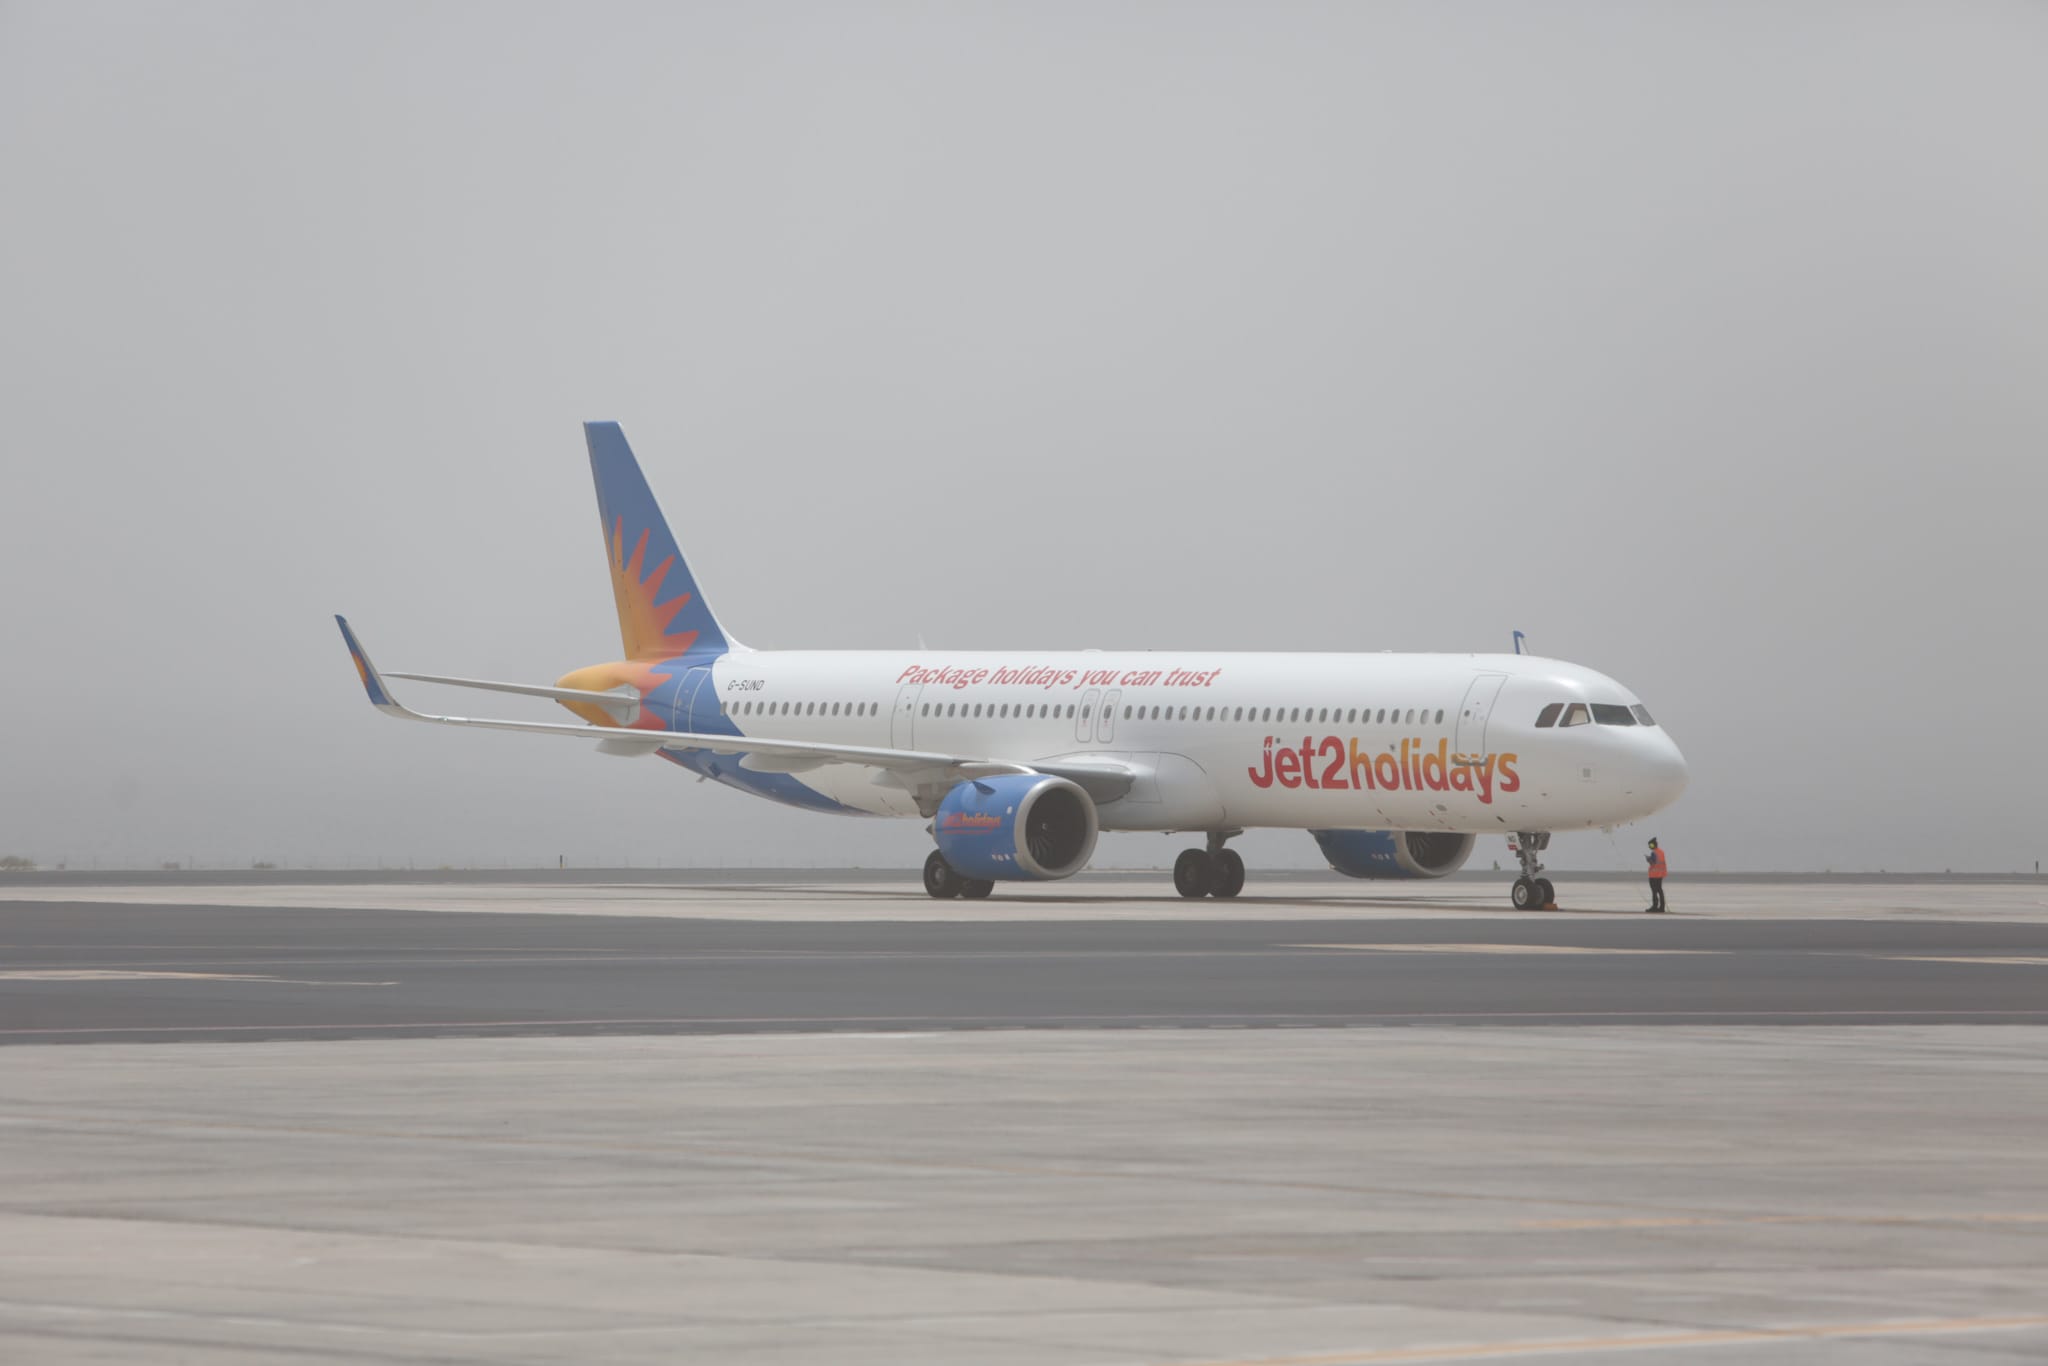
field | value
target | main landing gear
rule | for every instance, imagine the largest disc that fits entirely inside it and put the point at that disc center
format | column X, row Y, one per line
column 1532, row 892
column 942, row 882
column 1214, row 871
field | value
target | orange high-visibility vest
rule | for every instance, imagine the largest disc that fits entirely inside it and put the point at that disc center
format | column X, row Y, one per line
column 1656, row 863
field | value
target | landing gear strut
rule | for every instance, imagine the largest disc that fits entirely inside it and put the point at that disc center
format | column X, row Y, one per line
column 942, row 882
column 1532, row 892
column 1214, row 871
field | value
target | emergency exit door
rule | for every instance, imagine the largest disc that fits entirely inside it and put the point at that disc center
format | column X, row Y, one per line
column 902, row 722
column 1474, row 712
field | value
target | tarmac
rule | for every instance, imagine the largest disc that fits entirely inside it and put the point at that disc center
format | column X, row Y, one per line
column 1793, row 1122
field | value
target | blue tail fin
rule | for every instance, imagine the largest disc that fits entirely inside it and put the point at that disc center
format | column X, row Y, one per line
column 661, row 612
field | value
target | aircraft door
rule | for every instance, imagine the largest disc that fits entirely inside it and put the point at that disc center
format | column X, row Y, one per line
column 1105, row 725
column 696, row 701
column 1474, row 711
column 1084, row 718
column 902, row 724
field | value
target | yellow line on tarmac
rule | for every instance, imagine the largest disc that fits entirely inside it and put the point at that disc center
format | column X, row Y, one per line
column 1707, row 1337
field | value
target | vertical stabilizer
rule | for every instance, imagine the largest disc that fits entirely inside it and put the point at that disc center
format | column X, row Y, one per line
column 662, row 613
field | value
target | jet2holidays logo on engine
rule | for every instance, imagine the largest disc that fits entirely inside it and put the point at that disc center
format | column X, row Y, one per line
column 1332, row 763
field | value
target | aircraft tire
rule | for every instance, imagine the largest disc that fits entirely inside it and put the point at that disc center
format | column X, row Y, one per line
column 1524, row 894
column 1229, row 874
column 1194, row 874
column 1546, row 895
column 976, row 888
column 940, row 880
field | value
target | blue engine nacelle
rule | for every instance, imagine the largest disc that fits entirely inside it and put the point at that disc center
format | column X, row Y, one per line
column 1016, row 827
column 1394, row 853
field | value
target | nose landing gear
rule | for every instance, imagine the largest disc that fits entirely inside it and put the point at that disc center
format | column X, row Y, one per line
column 1214, row 871
column 1530, row 891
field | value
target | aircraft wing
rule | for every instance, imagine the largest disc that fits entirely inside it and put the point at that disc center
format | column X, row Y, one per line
column 782, row 756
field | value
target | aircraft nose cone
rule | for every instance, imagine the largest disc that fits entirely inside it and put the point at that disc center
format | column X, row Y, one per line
column 1660, row 770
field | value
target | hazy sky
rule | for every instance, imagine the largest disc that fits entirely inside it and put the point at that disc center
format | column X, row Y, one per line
column 1706, row 344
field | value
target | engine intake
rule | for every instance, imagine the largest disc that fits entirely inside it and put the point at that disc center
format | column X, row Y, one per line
column 1395, row 853
column 1017, row 827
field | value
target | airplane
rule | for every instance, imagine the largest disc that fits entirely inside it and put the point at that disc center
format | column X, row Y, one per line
column 1394, row 763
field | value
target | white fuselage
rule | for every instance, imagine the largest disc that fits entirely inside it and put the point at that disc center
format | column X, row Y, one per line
column 1225, row 741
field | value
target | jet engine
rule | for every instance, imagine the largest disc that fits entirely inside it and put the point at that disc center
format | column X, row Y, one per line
column 1016, row 827
column 1394, row 853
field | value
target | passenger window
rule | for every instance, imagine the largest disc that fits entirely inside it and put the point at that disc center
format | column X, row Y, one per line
column 1240, row 714
column 1548, row 716
column 1439, row 716
column 1576, row 715
column 1642, row 714
column 1613, row 714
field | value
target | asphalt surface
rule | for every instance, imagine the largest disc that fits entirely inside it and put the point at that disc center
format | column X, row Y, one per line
column 91, row 972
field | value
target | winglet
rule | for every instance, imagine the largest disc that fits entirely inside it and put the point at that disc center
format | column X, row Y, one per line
column 373, row 684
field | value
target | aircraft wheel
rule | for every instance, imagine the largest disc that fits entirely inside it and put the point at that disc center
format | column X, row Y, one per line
column 1546, row 895
column 939, row 878
column 976, row 888
column 1229, row 874
column 1524, row 894
column 1193, row 873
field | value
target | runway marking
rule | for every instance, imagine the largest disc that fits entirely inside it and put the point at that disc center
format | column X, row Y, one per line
column 139, row 975
column 1492, row 948
column 1980, row 958
column 1706, row 1337
column 897, row 1024
column 1737, row 1220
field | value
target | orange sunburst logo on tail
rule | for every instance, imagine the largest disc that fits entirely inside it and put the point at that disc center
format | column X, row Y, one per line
column 643, row 619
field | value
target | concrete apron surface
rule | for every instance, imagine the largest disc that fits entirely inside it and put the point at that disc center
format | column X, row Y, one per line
column 1282, row 1197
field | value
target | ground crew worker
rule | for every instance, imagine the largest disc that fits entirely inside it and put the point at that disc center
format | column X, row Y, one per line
column 1657, row 870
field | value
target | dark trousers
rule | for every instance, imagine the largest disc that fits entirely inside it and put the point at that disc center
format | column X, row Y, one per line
column 1656, row 893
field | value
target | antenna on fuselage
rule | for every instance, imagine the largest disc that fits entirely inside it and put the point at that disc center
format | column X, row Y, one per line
column 1521, row 642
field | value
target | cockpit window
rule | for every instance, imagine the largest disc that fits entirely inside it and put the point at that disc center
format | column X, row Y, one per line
column 1613, row 714
column 1548, row 716
column 1576, row 715
column 1642, row 714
